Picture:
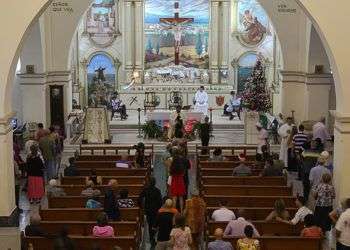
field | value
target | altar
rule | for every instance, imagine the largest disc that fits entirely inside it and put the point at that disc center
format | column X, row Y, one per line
column 165, row 115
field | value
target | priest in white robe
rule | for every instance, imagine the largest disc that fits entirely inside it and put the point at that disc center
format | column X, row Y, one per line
column 201, row 101
column 284, row 132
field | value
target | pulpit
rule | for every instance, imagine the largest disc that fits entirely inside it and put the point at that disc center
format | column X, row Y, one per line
column 151, row 101
column 175, row 100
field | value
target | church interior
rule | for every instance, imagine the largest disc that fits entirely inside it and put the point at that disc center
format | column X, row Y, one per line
column 174, row 124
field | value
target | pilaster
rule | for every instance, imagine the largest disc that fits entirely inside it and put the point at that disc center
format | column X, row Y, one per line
column 341, row 157
column 9, row 215
column 129, row 34
column 214, row 41
column 306, row 94
column 139, row 49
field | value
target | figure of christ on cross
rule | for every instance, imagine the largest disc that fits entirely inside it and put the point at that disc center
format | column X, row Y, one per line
column 175, row 23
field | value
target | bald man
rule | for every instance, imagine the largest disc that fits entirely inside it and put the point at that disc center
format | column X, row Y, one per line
column 219, row 243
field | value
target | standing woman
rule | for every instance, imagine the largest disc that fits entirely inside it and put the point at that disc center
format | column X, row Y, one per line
column 35, row 166
column 324, row 194
column 177, row 172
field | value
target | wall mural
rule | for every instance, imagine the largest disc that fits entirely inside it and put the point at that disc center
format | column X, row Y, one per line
column 253, row 23
column 176, row 39
column 245, row 67
column 101, row 22
column 101, row 74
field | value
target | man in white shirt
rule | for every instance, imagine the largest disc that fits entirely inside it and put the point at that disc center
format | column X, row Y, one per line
column 201, row 99
column 284, row 132
column 317, row 172
column 223, row 213
column 319, row 130
column 343, row 228
column 263, row 136
column 234, row 105
column 300, row 214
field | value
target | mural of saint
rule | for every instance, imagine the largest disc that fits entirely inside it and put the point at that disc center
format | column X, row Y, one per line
column 253, row 22
column 101, row 80
column 101, row 22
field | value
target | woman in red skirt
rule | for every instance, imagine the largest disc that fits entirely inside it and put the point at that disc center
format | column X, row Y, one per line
column 35, row 166
column 177, row 172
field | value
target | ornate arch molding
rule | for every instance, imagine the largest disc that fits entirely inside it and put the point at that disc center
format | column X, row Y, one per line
column 86, row 61
column 235, row 63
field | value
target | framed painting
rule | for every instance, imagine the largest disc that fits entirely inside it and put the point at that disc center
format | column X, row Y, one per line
column 253, row 23
column 101, row 22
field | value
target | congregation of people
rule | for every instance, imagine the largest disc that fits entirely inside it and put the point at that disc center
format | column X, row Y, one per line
column 177, row 220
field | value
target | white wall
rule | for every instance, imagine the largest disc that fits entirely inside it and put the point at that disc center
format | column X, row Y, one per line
column 317, row 53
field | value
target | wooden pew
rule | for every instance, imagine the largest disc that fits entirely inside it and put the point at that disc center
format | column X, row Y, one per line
column 248, row 150
column 225, row 164
column 84, row 214
column 282, row 243
column 224, row 171
column 264, row 228
column 84, row 228
column 101, row 164
column 249, row 180
column 248, row 201
column 75, row 201
column 125, row 180
column 115, row 172
column 246, row 190
column 107, row 157
column 252, row 213
column 76, row 189
column 107, row 149
column 87, row 242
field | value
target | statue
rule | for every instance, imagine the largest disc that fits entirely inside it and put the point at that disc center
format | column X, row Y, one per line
column 100, row 74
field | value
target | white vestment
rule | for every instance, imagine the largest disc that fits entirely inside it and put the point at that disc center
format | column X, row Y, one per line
column 283, row 132
column 201, row 99
column 233, row 104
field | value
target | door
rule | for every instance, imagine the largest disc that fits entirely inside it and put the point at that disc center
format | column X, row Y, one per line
column 56, row 105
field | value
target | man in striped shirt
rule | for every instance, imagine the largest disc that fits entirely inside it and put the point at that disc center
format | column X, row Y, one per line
column 299, row 140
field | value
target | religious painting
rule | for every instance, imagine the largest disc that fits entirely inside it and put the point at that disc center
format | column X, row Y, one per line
column 177, row 39
column 101, row 22
column 101, row 74
column 246, row 64
column 253, row 23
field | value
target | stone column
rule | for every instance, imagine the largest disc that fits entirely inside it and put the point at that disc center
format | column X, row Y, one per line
column 224, row 34
column 341, row 157
column 9, row 215
column 234, row 13
column 235, row 66
column 139, row 45
column 214, row 44
column 117, row 65
column 83, row 90
column 128, row 35
column 117, row 16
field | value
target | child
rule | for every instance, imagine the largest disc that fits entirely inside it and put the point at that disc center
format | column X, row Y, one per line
column 311, row 230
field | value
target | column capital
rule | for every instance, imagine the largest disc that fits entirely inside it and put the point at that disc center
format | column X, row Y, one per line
column 5, row 123
column 342, row 122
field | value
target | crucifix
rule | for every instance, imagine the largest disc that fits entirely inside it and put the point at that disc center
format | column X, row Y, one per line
column 175, row 23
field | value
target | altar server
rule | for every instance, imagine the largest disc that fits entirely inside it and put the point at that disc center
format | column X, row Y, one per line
column 118, row 107
column 201, row 101
column 284, row 132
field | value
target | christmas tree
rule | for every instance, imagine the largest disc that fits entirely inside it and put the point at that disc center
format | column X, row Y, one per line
column 256, row 97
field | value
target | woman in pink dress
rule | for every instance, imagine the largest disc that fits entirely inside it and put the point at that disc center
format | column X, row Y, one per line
column 35, row 166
